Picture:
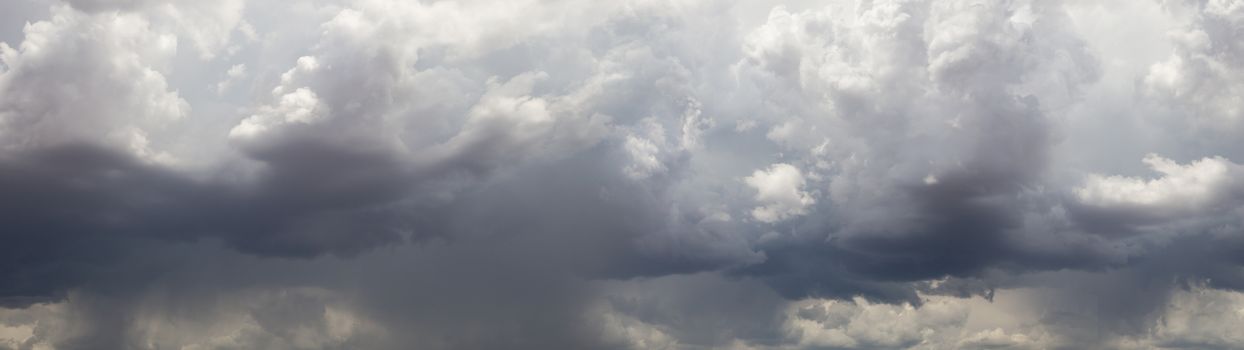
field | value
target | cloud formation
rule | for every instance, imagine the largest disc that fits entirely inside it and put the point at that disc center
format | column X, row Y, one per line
column 478, row 174
column 780, row 190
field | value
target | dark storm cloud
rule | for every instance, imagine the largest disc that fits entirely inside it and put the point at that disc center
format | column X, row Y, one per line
column 68, row 209
column 71, row 207
column 505, row 263
column 466, row 175
column 968, row 225
column 967, row 217
column 97, row 223
column 84, row 203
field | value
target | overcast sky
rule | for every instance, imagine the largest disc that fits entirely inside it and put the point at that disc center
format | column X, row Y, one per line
column 634, row 174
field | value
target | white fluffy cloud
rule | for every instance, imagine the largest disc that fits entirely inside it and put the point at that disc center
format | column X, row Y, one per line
column 1203, row 194
column 1198, row 185
column 884, row 95
column 780, row 191
column 1201, row 78
column 88, row 78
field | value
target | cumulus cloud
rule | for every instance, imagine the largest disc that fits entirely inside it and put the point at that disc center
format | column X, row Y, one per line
column 1197, row 186
column 1199, row 79
column 639, row 174
column 780, row 190
column 45, row 102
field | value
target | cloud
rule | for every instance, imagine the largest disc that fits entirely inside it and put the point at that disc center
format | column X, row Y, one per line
column 1197, row 79
column 780, row 189
column 1197, row 319
column 235, row 73
column 858, row 324
column 208, row 27
column 45, row 103
column 883, row 97
column 1204, row 185
column 638, row 174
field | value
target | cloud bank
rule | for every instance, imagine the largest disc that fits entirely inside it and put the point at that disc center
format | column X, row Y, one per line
column 377, row 174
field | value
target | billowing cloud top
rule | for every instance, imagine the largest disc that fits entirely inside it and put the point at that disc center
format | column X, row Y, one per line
column 685, row 174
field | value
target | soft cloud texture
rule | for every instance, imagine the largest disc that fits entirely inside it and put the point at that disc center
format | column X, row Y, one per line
column 780, row 190
column 377, row 174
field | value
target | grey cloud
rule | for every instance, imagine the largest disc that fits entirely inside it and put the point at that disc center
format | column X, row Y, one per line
column 953, row 164
column 557, row 174
column 703, row 310
column 74, row 207
column 1196, row 81
column 108, row 5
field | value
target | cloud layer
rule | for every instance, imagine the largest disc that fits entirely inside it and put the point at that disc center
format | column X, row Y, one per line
column 639, row 174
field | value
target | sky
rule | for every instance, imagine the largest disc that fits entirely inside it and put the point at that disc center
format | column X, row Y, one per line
column 632, row 174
